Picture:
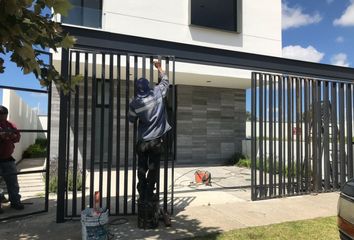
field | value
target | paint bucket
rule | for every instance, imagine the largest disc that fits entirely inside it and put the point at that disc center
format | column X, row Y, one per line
column 93, row 222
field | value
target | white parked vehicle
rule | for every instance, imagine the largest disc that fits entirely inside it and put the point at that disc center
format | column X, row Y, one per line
column 346, row 211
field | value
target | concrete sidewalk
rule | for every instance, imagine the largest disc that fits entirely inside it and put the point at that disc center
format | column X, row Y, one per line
column 189, row 221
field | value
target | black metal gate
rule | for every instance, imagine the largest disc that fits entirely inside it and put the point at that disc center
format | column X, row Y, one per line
column 35, row 196
column 301, row 135
column 96, row 142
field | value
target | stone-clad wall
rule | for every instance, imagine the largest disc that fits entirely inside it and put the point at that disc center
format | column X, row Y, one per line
column 210, row 124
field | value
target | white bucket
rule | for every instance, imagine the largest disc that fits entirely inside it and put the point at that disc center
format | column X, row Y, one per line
column 93, row 224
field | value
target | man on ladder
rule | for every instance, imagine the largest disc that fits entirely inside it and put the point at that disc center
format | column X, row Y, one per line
column 149, row 109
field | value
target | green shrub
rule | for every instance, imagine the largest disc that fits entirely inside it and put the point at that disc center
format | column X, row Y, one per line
column 42, row 142
column 35, row 151
column 235, row 158
column 244, row 163
column 53, row 182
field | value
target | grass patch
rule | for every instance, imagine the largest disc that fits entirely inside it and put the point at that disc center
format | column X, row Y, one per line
column 319, row 228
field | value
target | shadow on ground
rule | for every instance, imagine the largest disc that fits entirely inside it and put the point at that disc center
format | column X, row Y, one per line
column 44, row 226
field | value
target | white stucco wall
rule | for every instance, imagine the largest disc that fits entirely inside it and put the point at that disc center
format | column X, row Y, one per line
column 169, row 20
column 24, row 117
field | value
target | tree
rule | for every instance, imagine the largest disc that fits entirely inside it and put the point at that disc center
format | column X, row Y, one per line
column 26, row 25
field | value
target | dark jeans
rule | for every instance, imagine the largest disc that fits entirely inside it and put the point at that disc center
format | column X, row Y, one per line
column 8, row 172
column 149, row 155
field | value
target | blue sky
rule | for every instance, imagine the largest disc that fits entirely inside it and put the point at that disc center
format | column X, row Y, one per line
column 320, row 31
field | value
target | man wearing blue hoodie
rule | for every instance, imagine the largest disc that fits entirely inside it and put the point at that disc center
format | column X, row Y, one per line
column 149, row 109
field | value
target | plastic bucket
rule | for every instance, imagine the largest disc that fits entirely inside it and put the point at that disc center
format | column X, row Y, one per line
column 93, row 224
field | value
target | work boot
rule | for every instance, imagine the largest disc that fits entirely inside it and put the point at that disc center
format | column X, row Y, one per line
column 18, row 206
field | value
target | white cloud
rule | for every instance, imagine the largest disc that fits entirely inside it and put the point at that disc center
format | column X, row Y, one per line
column 329, row 1
column 340, row 39
column 340, row 59
column 347, row 18
column 309, row 54
column 293, row 17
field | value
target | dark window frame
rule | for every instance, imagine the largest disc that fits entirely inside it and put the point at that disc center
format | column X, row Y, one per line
column 100, row 8
column 237, row 21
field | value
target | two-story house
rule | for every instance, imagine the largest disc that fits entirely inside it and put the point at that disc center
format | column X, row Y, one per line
column 210, row 100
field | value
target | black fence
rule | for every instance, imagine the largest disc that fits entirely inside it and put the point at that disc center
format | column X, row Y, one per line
column 301, row 135
column 97, row 144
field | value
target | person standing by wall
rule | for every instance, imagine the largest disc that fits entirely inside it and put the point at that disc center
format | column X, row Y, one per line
column 149, row 109
column 9, row 135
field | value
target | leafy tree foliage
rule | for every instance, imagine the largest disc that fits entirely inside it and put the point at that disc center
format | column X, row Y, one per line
column 26, row 25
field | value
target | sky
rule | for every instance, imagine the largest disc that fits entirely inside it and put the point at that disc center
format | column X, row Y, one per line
column 319, row 31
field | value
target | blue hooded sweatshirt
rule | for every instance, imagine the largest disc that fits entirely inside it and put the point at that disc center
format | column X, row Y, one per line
column 149, row 108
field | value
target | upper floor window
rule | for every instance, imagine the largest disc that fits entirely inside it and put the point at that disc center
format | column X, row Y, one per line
column 217, row 14
column 86, row 13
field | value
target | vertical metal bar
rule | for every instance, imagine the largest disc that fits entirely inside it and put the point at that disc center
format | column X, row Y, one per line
column 110, row 129
column 144, row 67
column 93, row 129
column 276, row 135
column 76, row 135
column 326, row 137
column 319, row 136
column 167, row 143
column 334, row 135
column 271, row 153
column 102, row 121
column 265, row 136
column 314, row 135
column 292, row 119
column 280, row 127
column 284, row 126
column 49, row 114
column 301, row 90
column 341, row 135
column 134, row 139
column 126, row 150
column 349, row 132
column 289, row 137
column 298, row 164
column 307, row 138
column 62, row 140
column 261, row 155
column 84, row 147
column 174, row 103
column 253, row 136
column 118, row 133
column 68, row 139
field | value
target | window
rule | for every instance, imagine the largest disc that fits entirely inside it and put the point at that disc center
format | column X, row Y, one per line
column 86, row 13
column 218, row 14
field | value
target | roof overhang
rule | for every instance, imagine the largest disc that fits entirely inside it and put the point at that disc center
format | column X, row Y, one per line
column 101, row 40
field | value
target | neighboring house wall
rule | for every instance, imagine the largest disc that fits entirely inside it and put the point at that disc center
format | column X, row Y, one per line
column 24, row 117
column 42, row 125
column 210, row 124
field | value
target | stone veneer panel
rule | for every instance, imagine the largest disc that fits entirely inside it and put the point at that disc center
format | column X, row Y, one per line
column 210, row 124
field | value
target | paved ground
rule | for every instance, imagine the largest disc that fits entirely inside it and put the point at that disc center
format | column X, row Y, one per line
column 200, row 209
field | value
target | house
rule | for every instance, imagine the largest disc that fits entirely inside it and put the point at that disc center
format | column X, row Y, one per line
column 210, row 100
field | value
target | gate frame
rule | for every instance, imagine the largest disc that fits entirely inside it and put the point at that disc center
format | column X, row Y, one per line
column 88, row 38
column 65, row 118
column 48, row 131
